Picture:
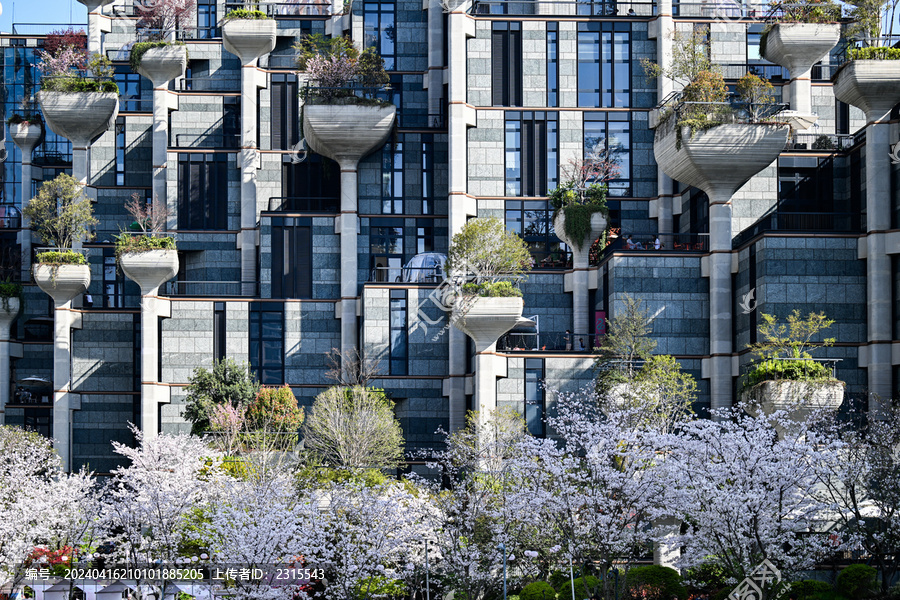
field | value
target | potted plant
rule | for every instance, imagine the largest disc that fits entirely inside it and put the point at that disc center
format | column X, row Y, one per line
column 148, row 258
column 784, row 375
column 10, row 301
column 579, row 204
column 77, row 106
column 25, row 128
column 483, row 257
column 62, row 216
column 342, row 118
column 157, row 55
column 248, row 34
column 802, row 35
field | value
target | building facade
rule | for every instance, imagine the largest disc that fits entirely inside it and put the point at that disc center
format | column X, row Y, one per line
column 493, row 100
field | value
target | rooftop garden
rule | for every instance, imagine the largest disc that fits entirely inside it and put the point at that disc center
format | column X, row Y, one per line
column 339, row 73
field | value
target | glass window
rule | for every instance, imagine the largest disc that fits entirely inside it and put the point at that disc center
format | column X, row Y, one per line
column 427, row 174
column 291, row 257
column 506, row 64
column 267, row 342
column 285, row 120
column 120, row 151
column 604, row 64
column 202, row 191
column 534, row 396
column 392, row 179
column 129, row 90
column 386, row 249
column 206, row 19
column 611, row 132
column 380, row 31
column 532, row 221
column 532, row 149
column 552, row 64
column 113, row 282
column 399, row 334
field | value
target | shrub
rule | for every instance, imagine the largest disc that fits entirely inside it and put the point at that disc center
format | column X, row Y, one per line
column 810, row 589
column 322, row 477
column 64, row 257
column 857, row 581
column 874, row 53
column 538, row 590
column 654, row 582
column 228, row 382
column 585, row 587
column 10, row 289
column 139, row 49
column 495, row 289
column 28, row 118
column 794, row 370
column 706, row 578
column 275, row 409
column 485, row 248
column 823, row 142
column 127, row 243
column 379, row 586
column 67, row 71
column 558, row 579
column 58, row 40
column 242, row 13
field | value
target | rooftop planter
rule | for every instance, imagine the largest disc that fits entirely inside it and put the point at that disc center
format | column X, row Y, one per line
column 486, row 319
column 10, row 302
column 868, row 81
column 62, row 274
column 799, row 398
column 25, row 130
column 160, row 62
column 248, row 34
column 579, row 219
column 148, row 261
column 79, row 116
column 347, row 132
column 798, row 46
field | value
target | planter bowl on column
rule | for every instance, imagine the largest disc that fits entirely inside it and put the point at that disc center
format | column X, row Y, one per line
column 798, row 46
column 25, row 136
column 871, row 85
column 799, row 398
column 598, row 226
column 163, row 64
column 150, row 269
column 486, row 319
column 723, row 157
column 62, row 282
column 347, row 132
column 79, row 116
column 248, row 39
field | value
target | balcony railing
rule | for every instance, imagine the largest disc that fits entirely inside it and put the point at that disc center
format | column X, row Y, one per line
column 430, row 275
column 45, row 28
column 304, row 204
column 737, row 70
column 730, row 10
column 820, row 142
column 551, row 259
column 548, row 342
column 610, row 8
column 204, row 288
column 279, row 61
column 207, row 140
column 799, row 222
column 207, row 84
column 285, row 10
column 667, row 242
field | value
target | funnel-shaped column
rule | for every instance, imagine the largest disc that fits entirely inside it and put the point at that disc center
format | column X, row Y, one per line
column 580, row 257
column 95, row 19
column 26, row 136
column 9, row 309
column 161, row 65
column 485, row 320
column 62, row 283
column 150, row 270
column 719, row 161
column 248, row 39
column 81, row 117
column 797, row 47
column 346, row 133
column 874, row 87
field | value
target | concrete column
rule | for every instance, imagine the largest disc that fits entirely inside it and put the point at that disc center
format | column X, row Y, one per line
column 577, row 280
column 800, row 91
column 458, row 176
column 160, row 155
column 349, row 259
column 95, row 16
column 7, row 316
column 26, row 138
column 249, row 158
column 879, row 292
column 485, row 383
column 665, row 28
column 62, row 382
column 720, row 299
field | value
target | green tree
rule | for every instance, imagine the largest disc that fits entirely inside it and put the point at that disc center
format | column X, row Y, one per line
column 690, row 57
column 275, row 409
column 227, row 383
column 793, row 339
column 353, row 427
column 485, row 249
column 627, row 341
column 756, row 92
column 61, row 213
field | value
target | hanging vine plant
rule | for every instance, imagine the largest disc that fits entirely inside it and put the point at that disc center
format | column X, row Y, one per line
column 578, row 208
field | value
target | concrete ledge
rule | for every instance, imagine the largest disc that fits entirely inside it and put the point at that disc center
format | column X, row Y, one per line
column 163, row 64
column 347, row 132
column 870, row 85
column 248, row 39
column 79, row 116
column 798, row 46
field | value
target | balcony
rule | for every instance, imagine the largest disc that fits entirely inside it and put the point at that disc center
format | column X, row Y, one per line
column 800, row 222
column 204, row 289
column 286, row 10
column 553, row 342
column 208, row 140
column 304, row 204
column 208, row 85
column 820, row 142
column 609, row 8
